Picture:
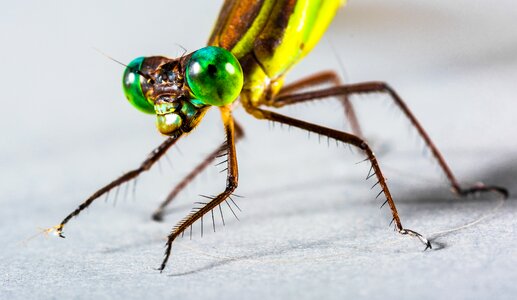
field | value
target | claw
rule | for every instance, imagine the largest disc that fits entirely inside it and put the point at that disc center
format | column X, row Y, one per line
column 56, row 230
column 428, row 245
column 481, row 187
column 157, row 216
column 422, row 239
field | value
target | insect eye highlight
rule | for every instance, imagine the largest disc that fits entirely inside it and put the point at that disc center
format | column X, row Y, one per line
column 214, row 76
column 132, row 86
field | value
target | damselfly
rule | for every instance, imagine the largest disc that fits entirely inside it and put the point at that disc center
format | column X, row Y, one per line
column 252, row 47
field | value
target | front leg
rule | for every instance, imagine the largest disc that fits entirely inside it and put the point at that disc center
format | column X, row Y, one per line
column 153, row 157
column 158, row 214
column 231, row 185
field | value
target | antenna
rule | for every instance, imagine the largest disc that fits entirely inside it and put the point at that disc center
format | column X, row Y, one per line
column 123, row 64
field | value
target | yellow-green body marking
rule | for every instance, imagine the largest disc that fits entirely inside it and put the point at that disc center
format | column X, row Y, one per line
column 269, row 37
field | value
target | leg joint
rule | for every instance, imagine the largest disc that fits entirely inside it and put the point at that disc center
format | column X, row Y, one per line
column 231, row 184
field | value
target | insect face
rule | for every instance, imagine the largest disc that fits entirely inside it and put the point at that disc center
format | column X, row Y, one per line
column 179, row 91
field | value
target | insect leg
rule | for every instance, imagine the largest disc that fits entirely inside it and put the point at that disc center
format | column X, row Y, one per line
column 382, row 87
column 353, row 140
column 231, row 185
column 318, row 79
column 158, row 214
column 144, row 166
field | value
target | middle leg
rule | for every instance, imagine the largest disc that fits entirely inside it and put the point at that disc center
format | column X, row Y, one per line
column 352, row 140
column 313, row 81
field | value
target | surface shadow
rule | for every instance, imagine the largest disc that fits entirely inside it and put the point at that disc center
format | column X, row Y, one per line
column 502, row 174
column 324, row 243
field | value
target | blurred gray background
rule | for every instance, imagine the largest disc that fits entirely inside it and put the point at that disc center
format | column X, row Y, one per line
column 310, row 226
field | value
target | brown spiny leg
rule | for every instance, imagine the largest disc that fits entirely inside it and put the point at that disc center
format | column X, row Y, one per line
column 231, row 185
column 351, row 139
column 158, row 214
column 325, row 77
column 153, row 157
column 381, row 87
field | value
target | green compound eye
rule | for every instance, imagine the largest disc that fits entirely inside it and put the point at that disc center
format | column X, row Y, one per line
column 214, row 76
column 131, row 82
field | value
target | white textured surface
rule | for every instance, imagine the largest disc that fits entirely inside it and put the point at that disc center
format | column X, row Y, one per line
column 309, row 227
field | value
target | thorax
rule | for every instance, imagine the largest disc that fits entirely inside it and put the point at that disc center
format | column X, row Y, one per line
column 269, row 37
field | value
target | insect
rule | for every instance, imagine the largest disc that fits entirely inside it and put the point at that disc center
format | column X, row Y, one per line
column 250, row 51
